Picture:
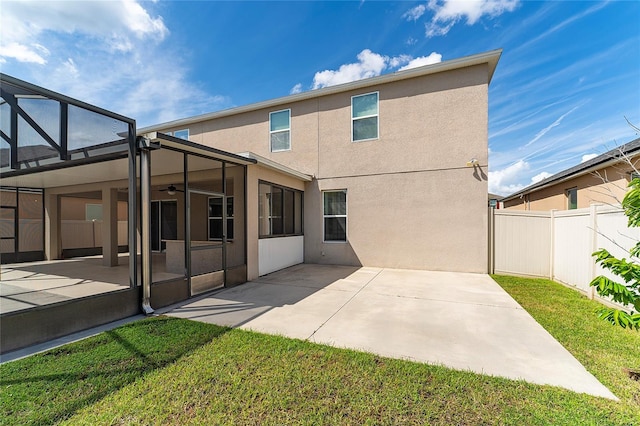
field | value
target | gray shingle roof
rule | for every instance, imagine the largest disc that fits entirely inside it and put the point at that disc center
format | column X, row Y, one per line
column 629, row 148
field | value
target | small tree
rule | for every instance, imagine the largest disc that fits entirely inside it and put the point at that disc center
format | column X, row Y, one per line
column 628, row 294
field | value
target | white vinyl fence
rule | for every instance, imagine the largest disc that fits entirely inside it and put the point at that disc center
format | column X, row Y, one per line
column 558, row 244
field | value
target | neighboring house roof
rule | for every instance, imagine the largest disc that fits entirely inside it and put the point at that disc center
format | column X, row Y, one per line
column 495, row 197
column 608, row 158
column 491, row 58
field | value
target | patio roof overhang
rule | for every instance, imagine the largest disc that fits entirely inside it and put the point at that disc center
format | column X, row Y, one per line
column 183, row 145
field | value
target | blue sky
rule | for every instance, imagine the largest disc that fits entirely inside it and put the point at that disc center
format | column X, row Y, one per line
column 568, row 77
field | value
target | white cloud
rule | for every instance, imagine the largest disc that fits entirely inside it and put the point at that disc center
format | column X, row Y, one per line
column 21, row 53
column 411, row 41
column 369, row 64
column 433, row 58
column 108, row 53
column 296, row 89
column 507, row 181
column 415, row 13
column 588, row 157
column 449, row 12
column 557, row 122
column 540, row 176
column 26, row 25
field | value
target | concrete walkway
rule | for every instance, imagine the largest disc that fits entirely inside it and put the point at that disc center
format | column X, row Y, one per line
column 462, row 321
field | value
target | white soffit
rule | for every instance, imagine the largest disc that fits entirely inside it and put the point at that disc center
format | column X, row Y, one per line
column 76, row 175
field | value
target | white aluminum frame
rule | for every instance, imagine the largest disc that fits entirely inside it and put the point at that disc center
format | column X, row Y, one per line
column 367, row 116
column 345, row 215
column 279, row 131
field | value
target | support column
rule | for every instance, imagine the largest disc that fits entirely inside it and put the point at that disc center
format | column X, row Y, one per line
column 52, row 227
column 253, row 255
column 109, row 226
column 145, row 206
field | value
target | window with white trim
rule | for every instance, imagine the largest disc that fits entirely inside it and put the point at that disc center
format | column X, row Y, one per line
column 280, row 130
column 216, row 218
column 364, row 117
column 334, row 215
column 182, row 134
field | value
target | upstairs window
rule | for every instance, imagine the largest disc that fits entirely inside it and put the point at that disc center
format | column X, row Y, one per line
column 364, row 117
column 280, row 130
column 572, row 198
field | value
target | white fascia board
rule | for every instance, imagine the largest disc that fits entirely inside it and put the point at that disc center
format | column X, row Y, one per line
column 270, row 164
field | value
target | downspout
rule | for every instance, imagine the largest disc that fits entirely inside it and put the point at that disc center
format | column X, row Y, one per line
column 144, row 144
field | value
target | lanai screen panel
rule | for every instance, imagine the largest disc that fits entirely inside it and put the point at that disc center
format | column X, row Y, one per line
column 41, row 130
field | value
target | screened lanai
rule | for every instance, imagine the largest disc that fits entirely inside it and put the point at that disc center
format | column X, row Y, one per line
column 97, row 224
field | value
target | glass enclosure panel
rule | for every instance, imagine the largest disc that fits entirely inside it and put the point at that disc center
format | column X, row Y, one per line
column 8, row 197
column 236, row 256
column 167, row 215
column 169, row 220
column 155, row 226
column 93, row 134
column 7, row 229
column 298, row 212
column 45, row 112
column 31, row 224
column 205, row 197
column 289, row 212
column 206, row 256
column 264, row 196
column 21, row 223
column 276, row 210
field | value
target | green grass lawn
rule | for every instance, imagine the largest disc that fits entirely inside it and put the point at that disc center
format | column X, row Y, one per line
column 173, row 371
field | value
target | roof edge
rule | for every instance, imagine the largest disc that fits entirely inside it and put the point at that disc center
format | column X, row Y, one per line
column 270, row 164
column 603, row 160
column 50, row 94
column 490, row 57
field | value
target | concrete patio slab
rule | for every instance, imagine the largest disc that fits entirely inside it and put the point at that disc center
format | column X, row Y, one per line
column 458, row 320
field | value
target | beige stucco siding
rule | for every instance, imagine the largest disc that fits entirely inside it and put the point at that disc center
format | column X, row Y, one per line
column 407, row 220
column 412, row 201
column 434, row 121
column 426, row 124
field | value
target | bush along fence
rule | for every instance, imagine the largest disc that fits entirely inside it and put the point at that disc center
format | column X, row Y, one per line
column 559, row 244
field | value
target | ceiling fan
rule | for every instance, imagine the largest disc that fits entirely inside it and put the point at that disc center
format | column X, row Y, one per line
column 171, row 190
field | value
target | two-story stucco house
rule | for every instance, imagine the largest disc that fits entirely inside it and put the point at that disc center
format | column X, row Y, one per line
column 389, row 171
